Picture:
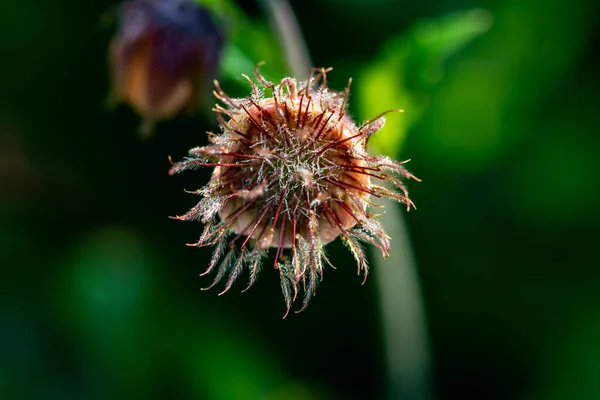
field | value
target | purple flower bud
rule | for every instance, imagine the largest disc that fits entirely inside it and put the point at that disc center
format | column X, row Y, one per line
column 291, row 173
column 162, row 57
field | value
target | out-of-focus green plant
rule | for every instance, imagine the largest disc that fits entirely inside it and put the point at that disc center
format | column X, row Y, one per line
column 408, row 67
column 248, row 42
column 108, row 297
column 403, row 75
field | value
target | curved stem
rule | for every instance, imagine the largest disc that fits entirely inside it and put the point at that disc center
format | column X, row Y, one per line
column 406, row 343
column 290, row 35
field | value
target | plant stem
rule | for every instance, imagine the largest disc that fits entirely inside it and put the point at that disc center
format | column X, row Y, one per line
column 406, row 345
column 284, row 22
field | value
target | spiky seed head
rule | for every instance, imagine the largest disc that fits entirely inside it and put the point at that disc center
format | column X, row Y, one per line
column 291, row 172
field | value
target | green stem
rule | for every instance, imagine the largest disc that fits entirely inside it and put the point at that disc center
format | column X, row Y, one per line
column 286, row 25
column 406, row 345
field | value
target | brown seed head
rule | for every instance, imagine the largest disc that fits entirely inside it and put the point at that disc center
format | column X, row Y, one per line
column 291, row 172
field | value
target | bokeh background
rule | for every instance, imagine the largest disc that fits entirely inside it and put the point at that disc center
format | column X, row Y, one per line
column 100, row 296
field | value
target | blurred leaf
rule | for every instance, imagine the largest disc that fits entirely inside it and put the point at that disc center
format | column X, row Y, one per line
column 228, row 368
column 106, row 299
column 418, row 56
column 122, row 322
column 570, row 366
column 555, row 182
column 235, row 63
column 434, row 41
column 489, row 98
column 248, row 43
column 111, row 272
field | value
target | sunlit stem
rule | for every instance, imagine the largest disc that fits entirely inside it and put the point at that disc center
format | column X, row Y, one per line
column 406, row 343
column 290, row 36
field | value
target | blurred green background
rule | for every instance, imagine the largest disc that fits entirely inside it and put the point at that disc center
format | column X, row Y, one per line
column 100, row 296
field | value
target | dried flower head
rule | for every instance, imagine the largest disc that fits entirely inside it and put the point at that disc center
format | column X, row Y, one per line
column 162, row 55
column 291, row 172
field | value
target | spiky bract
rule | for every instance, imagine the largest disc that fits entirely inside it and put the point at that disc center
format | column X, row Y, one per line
column 291, row 172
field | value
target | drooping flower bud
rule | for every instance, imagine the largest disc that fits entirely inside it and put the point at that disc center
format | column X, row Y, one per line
column 163, row 57
column 291, row 172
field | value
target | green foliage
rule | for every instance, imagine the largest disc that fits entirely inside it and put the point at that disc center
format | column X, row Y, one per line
column 409, row 66
column 248, row 43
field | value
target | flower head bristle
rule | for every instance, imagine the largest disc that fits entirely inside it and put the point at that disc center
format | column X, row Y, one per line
column 291, row 172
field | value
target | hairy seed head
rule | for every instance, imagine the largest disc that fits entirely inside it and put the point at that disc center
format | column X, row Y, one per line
column 291, row 172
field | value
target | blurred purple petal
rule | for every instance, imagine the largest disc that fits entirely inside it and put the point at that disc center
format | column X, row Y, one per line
column 163, row 53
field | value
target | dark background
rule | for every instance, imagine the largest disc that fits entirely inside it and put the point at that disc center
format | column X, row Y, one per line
column 99, row 294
